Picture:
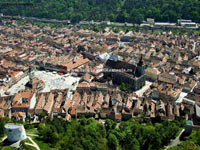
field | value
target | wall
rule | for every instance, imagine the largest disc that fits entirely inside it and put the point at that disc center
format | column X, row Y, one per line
column 33, row 102
column 15, row 134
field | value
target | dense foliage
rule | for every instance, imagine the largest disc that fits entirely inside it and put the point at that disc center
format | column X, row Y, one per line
column 114, row 10
column 3, row 121
column 90, row 134
column 191, row 142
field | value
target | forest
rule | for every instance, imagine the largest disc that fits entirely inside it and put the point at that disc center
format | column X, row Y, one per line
column 90, row 134
column 133, row 11
column 134, row 134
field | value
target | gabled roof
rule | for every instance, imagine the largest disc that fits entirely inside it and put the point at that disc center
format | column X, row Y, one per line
column 18, row 99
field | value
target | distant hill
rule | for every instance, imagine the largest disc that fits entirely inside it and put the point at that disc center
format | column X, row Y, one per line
column 114, row 10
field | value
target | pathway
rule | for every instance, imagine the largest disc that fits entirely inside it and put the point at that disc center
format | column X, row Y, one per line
column 175, row 142
column 31, row 134
column 33, row 143
column 3, row 139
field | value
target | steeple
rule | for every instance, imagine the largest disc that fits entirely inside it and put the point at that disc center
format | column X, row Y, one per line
column 141, row 61
column 140, row 67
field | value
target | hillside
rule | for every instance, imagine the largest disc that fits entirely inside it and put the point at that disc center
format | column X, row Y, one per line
column 114, row 10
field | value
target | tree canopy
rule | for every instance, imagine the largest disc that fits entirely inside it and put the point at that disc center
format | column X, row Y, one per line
column 114, row 10
column 90, row 134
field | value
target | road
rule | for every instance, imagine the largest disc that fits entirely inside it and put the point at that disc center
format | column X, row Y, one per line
column 146, row 87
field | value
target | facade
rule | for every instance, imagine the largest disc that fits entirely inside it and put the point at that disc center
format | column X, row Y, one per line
column 133, row 76
column 15, row 132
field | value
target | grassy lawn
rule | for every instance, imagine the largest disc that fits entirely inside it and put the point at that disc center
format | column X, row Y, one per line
column 28, row 147
column 42, row 145
column 179, row 132
column 7, row 148
column 3, row 146
column 190, row 143
column 27, row 141
column 32, row 131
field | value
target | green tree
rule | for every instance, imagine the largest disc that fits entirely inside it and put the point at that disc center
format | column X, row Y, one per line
column 136, row 16
column 110, row 124
column 198, row 137
column 2, row 124
column 123, row 87
column 113, row 143
column 134, row 144
column 76, row 18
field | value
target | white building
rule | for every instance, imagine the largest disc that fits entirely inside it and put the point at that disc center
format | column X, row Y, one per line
column 187, row 70
column 179, row 21
column 103, row 57
column 187, row 24
column 15, row 132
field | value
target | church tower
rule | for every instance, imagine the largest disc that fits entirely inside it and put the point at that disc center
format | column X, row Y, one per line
column 140, row 67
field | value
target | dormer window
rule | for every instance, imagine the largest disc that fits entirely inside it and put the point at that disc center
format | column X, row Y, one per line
column 24, row 100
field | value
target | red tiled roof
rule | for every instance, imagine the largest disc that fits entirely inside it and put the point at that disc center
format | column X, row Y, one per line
column 22, row 94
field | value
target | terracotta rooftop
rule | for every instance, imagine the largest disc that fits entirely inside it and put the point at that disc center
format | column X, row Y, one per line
column 22, row 99
column 76, row 99
column 76, row 63
column 58, row 103
column 49, row 103
column 67, row 104
column 40, row 103
column 91, row 100
column 107, row 99
column 84, row 99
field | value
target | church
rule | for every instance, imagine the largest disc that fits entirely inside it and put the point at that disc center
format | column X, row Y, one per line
column 131, row 75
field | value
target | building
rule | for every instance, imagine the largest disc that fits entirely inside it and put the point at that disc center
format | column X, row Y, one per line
column 24, row 101
column 179, row 21
column 15, row 132
column 187, row 24
column 150, row 21
column 103, row 57
column 188, row 126
column 132, row 75
column 49, row 104
column 197, row 113
column 164, row 25
column 152, row 73
column 167, row 78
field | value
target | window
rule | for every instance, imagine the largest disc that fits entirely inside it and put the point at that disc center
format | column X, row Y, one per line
column 24, row 100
